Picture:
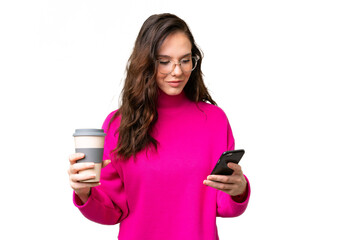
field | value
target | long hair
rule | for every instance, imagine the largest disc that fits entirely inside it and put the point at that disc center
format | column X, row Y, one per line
column 139, row 96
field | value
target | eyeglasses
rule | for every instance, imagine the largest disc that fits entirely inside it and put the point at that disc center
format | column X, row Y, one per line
column 187, row 64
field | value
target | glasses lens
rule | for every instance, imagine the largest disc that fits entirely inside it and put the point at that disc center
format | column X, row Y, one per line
column 186, row 65
column 164, row 66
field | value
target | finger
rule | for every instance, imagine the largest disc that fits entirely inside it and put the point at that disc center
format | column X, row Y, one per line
column 79, row 185
column 235, row 167
column 222, row 178
column 76, row 167
column 75, row 157
column 105, row 163
column 82, row 177
column 217, row 185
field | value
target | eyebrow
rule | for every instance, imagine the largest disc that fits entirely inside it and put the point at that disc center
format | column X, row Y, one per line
column 167, row 56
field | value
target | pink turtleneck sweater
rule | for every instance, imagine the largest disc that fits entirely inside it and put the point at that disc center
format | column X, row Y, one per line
column 160, row 194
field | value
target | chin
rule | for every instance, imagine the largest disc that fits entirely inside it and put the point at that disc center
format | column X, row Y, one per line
column 173, row 91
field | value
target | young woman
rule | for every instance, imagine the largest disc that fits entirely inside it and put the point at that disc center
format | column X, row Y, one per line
column 161, row 146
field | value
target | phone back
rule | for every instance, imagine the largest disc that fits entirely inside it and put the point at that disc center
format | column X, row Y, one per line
column 221, row 167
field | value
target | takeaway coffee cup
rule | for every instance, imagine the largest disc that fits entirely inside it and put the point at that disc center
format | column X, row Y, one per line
column 91, row 143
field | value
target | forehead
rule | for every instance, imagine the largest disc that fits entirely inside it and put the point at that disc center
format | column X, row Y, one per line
column 175, row 45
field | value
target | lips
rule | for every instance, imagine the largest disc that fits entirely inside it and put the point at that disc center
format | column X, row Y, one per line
column 174, row 83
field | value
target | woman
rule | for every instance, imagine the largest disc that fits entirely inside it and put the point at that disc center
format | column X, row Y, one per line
column 163, row 142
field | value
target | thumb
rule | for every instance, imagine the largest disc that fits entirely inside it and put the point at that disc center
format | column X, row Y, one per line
column 105, row 163
column 235, row 167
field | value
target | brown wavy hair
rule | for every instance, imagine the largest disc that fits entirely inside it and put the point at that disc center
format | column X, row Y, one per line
column 139, row 95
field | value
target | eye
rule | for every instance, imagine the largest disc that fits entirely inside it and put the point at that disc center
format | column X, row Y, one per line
column 185, row 61
column 163, row 62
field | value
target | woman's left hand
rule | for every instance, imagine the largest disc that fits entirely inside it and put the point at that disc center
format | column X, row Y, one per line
column 234, row 184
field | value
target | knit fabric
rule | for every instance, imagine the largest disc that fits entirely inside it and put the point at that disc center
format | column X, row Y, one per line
column 160, row 194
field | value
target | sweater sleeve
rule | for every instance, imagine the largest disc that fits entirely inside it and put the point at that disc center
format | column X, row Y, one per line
column 107, row 203
column 226, row 206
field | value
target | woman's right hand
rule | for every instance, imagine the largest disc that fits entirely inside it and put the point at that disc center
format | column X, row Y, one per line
column 81, row 189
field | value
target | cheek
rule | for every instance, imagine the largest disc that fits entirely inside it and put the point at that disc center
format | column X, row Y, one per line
column 187, row 76
column 159, row 78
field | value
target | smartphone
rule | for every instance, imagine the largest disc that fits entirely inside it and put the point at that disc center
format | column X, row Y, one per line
column 221, row 167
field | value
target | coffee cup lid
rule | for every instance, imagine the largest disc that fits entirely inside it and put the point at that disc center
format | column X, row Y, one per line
column 89, row 132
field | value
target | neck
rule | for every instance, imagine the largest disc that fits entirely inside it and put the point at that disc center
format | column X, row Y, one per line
column 171, row 101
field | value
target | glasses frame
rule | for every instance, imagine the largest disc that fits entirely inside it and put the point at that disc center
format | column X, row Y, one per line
column 196, row 59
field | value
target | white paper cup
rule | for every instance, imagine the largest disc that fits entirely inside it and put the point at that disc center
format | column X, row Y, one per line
column 91, row 143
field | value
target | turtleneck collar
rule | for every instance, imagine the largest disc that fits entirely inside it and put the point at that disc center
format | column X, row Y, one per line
column 171, row 101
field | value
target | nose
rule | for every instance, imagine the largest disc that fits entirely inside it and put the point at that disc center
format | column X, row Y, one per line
column 177, row 70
